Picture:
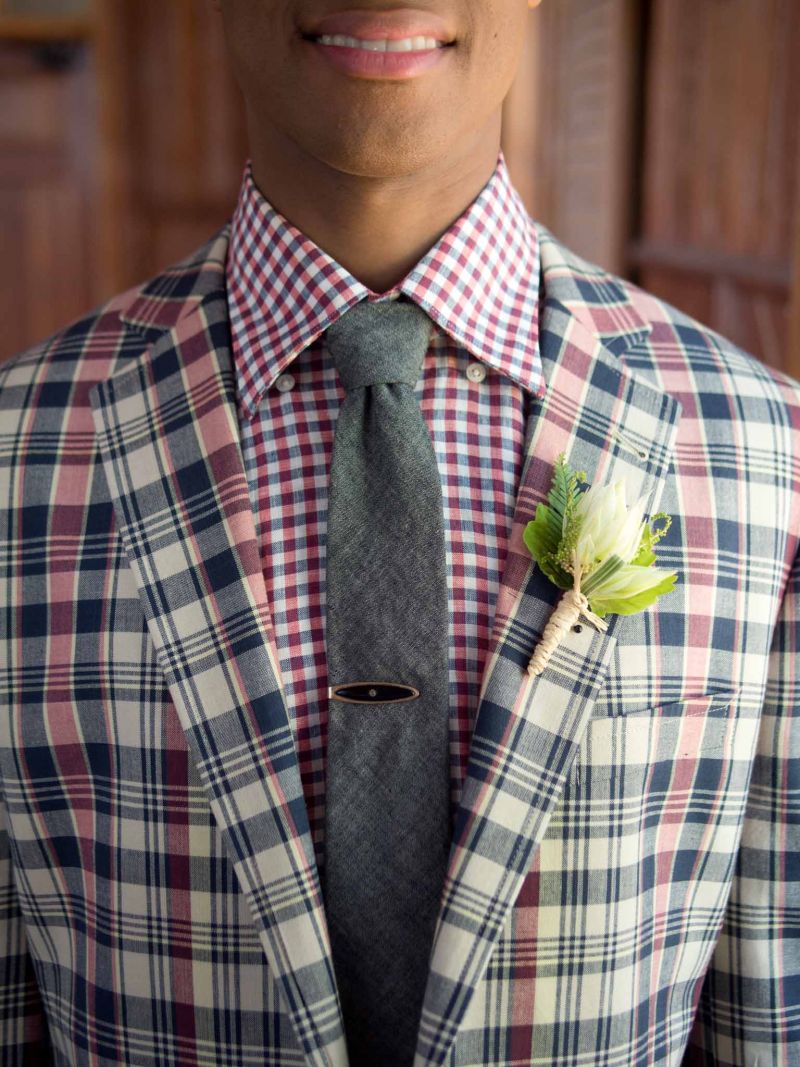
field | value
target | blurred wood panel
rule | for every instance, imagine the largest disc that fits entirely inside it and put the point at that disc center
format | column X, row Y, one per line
column 174, row 130
column 793, row 360
column 40, row 10
column 570, row 123
column 522, row 106
column 50, row 271
column 31, row 28
column 720, row 167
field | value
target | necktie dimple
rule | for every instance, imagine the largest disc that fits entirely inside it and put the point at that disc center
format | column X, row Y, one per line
column 387, row 821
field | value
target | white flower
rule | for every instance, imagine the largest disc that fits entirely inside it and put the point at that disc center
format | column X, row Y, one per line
column 607, row 526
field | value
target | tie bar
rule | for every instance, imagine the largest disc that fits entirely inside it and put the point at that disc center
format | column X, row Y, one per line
column 372, row 692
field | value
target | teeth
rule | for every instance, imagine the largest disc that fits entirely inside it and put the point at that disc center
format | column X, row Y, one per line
column 405, row 44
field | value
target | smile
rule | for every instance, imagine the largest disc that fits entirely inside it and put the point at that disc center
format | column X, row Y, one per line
column 399, row 58
column 403, row 44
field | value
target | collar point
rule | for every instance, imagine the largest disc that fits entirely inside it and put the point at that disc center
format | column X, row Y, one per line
column 248, row 408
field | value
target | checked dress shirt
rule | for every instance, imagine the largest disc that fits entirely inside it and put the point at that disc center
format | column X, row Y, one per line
column 479, row 283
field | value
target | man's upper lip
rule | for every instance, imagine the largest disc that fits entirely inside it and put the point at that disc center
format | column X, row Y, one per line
column 371, row 25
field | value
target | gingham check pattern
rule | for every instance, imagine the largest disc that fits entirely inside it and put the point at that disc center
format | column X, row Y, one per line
column 621, row 888
column 479, row 283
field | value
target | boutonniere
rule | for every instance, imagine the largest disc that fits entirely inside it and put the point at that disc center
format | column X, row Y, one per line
column 596, row 548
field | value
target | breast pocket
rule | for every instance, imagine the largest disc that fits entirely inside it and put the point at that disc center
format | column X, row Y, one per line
column 645, row 838
column 682, row 745
column 656, row 799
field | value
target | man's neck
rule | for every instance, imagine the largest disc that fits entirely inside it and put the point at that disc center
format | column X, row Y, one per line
column 377, row 228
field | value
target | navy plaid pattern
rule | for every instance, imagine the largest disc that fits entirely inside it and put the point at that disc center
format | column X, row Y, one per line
column 621, row 885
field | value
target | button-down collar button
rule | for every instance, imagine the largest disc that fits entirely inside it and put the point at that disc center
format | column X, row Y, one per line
column 284, row 382
column 476, row 372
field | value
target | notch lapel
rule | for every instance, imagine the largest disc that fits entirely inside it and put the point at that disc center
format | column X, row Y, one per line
column 611, row 423
column 168, row 437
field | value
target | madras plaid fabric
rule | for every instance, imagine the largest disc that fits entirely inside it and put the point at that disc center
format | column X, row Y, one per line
column 480, row 285
column 621, row 887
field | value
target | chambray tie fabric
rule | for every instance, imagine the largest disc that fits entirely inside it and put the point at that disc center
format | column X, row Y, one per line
column 387, row 823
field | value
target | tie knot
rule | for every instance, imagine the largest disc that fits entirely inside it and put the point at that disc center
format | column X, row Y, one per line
column 384, row 342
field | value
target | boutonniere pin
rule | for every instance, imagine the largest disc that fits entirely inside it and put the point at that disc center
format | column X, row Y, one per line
column 596, row 548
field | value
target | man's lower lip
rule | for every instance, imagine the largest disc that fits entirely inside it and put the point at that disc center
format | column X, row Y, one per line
column 374, row 64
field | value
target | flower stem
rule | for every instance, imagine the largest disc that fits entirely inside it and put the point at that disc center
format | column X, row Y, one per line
column 572, row 605
column 566, row 614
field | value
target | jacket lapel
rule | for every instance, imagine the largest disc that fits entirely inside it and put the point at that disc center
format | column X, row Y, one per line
column 611, row 423
column 169, row 441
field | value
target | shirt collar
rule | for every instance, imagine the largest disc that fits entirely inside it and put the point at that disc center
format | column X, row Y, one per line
column 479, row 283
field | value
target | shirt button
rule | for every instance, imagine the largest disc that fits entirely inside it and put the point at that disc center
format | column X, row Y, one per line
column 284, row 382
column 476, row 372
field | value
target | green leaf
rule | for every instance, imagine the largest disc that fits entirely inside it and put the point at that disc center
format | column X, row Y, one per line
column 539, row 535
column 542, row 543
column 564, row 496
column 564, row 493
column 621, row 605
column 554, row 529
column 559, row 491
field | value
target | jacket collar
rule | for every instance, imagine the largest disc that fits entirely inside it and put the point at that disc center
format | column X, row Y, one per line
column 168, row 439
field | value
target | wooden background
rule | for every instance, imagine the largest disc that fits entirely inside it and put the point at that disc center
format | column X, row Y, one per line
column 660, row 138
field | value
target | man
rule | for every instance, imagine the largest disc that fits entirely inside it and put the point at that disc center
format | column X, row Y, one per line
column 193, row 797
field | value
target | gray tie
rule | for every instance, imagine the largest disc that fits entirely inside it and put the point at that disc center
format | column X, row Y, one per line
column 387, row 822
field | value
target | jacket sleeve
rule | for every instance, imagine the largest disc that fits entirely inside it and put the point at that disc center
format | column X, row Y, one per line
column 24, row 1035
column 748, row 1013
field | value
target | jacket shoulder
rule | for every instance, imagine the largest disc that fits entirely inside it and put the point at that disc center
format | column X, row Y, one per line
column 679, row 339
column 58, row 371
column 676, row 341
column 44, row 380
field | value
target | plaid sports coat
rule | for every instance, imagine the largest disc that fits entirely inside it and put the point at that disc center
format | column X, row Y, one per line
column 623, row 887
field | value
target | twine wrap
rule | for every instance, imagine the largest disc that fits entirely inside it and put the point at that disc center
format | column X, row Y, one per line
column 572, row 606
